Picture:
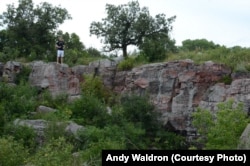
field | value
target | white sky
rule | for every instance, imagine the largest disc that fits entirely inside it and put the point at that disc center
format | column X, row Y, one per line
column 225, row 22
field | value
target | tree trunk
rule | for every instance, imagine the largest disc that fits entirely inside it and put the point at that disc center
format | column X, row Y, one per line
column 124, row 51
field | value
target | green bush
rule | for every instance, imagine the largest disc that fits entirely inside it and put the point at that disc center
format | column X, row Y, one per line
column 89, row 110
column 23, row 75
column 226, row 80
column 95, row 139
column 59, row 101
column 93, row 86
column 126, row 64
column 203, row 121
column 3, row 119
column 165, row 140
column 22, row 134
column 138, row 110
column 229, row 125
column 23, row 100
column 55, row 152
column 12, row 153
column 55, row 130
column 223, row 131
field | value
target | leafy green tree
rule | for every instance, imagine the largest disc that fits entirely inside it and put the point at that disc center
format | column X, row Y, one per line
column 31, row 30
column 156, row 47
column 72, row 41
column 128, row 24
column 93, row 52
column 3, row 39
column 198, row 44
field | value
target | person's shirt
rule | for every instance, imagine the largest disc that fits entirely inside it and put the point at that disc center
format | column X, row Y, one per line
column 60, row 45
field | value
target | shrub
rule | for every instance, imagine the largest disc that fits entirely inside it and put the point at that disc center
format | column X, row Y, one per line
column 59, row 101
column 138, row 110
column 126, row 64
column 12, row 153
column 93, row 86
column 95, row 139
column 89, row 110
column 22, row 97
column 229, row 125
column 23, row 75
column 223, row 131
column 203, row 121
column 22, row 134
column 55, row 130
column 165, row 140
column 55, row 152
column 226, row 80
column 3, row 119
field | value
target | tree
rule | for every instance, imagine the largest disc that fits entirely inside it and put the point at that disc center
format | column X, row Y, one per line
column 198, row 44
column 31, row 30
column 93, row 52
column 72, row 41
column 128, row 24
column 155, row 48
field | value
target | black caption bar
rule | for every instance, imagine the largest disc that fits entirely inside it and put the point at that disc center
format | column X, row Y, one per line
column 175, row 157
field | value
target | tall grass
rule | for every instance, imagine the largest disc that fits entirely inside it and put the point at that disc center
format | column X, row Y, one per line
column 237, row 58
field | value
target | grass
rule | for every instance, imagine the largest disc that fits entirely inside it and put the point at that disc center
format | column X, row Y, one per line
column 236, row 58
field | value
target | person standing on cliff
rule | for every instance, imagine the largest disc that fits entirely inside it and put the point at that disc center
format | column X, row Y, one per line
column 60, row 50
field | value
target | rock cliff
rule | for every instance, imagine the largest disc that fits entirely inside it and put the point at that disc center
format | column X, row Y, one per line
column 176, row 88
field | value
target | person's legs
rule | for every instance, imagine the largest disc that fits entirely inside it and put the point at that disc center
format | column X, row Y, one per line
column 58, row 55
column 61, row 55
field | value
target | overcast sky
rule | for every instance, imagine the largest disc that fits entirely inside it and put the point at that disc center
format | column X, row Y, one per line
column 225, row 22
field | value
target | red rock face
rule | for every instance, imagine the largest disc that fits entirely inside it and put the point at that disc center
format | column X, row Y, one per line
column 175, row 88
column 56, row 78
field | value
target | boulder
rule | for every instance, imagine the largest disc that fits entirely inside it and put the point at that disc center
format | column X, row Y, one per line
column 39, row 126
column 44, row 109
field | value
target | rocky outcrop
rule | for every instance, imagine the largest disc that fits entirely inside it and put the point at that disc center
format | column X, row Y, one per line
column 9, row 70
column 56, row 78
column 238, row 90
column 176, row 88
